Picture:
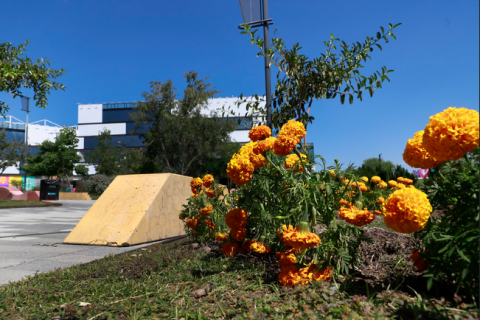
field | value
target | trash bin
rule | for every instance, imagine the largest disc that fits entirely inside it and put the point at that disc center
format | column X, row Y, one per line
column 49, row 189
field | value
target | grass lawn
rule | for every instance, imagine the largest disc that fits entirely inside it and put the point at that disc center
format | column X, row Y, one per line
column 184, row 280
column 24, row 203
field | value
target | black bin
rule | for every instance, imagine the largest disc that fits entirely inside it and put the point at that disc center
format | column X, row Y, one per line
column 49, row 189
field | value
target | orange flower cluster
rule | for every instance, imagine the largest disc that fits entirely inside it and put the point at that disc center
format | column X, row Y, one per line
column 293, row 159
column 255, row 246
column 382, row 185
column 297, row 239
column 380, row 200
column 290, row 135
column 206, row 211
column 221, row 236
column 361, row 185
column 207, row 180
column 376, row 179
column 193, row 222
column 415, row 154
column 290, row 275
column 392, row 183
column 236, row 219
column 452, row 133
column 211, row 193
column 238, row 234
column 259, row 133
column 230, row 249
column 353, row 215
column 240, row 169
column 264, row 145
column 407, row 210
column 419, row 262
column 196, row 183
column 332, row 173
column 209, row 224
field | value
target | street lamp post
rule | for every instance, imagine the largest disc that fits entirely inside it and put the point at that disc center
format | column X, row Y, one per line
column 255, row 14
column 25, row 107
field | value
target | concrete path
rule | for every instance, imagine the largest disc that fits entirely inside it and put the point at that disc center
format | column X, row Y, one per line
column 31, row 240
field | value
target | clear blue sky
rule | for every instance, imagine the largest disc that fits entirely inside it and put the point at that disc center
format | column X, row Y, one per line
column 111, row 49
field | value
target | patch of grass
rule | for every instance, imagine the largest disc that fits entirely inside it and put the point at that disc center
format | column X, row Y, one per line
column 24, row 203
column 182, row 280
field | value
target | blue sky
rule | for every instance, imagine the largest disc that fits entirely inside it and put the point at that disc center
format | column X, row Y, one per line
column 112, row 49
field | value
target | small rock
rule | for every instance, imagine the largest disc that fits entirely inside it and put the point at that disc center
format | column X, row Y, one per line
column 54, row 245
column 84, row 304
column 205, row 249
column 195, row 246
column 199, row 293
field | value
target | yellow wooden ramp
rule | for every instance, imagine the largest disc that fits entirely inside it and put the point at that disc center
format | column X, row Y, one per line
column 134, row 209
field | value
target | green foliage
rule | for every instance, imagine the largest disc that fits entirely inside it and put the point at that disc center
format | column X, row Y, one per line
column 386, row 170
column 10, row 151
column 18, row 71
column 450, row 240
column 98, row 183
column 217, row 164
column 300, row 80
column 56, row 158
column 105, row 157
column 179, row 139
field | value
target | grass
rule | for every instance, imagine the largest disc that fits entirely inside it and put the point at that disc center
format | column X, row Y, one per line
column 24, row 203
column 177, row 280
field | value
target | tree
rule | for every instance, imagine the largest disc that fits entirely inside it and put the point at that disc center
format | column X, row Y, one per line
column 10, row 151
column 179, row 137
column 18, row 71
column 105, row 156
column 384, row 169
column 57, row 158
column 301, row 80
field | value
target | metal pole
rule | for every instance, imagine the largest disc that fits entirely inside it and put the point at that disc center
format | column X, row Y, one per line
column 268, row 86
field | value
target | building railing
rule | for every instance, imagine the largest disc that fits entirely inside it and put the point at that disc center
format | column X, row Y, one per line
column 10, row 125
column 120, row 105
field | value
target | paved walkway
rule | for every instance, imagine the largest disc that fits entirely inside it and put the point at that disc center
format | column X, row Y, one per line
column 31, row 240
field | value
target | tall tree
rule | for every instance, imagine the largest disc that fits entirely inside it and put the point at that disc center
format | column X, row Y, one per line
column 57, row 158
column 105, row 157
column 179, row 137
column 18, row 71
column 10, row 151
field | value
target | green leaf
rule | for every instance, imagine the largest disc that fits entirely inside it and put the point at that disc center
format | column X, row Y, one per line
column 342, row 98
column 350, row 99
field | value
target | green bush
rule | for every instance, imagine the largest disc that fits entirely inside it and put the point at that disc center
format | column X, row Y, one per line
column 98, row 183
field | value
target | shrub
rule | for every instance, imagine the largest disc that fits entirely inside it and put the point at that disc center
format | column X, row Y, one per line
column 98, row 183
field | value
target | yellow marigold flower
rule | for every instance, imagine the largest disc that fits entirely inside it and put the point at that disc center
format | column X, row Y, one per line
column 355, row 216
column 415, row 154
column 258, row 160
column 209, row 224
column 206, row 211
column 255, row 246
column 407, row 210
column 343, row 202
column 264, row 145
column 238, row 234
column 292, row 127
column 284, row 144
column 196, row 183
column 236, row 218
column 376, row 179
column 380, row 200
column 407, row 181
column 193, row 222
column 452, row 133
column 286, row 258
column 382, row 185
column 332, row 173
column 365, row 179
column 312, row 274
column 221, row 236
column 240, row 169
column 289, row 276
column 294, row 238
column 401, row 186
column 194, row 195
column 392, row 183
column 360, row 185
column 292, row 159
column 230, row 249
column 400, row 179
column 259, row 132
column 207, row 180
column 378, row 212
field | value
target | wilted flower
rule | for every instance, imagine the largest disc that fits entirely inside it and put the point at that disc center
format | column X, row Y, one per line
column 407, row 210
column 230, row 249
column 452, row 133
column 209, row 224
column 415, row 154
column 221, row 236
column 259, row 132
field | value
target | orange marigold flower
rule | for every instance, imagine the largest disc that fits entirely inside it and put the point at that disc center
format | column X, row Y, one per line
column 236, row 218
column 292, row 127
column 210, row 224
column 407, row 210
column 255, row 246
column 286, row 258
column 360, row 185
column 238, row 234
column 312, row 273
column 392, row 183
column 419, row 262
column 407, row 181
column 294, row 238
column 452, row 133
column 206, row 211
column 193, row 222
column 332, row 173
column 196, row 183
column 400, row 179
column 415, row 154
column 376, row 179
column 378, row 212
column 365, row 179
column 284, row 144
column 207, row 180
column 240, row 169
column 194, row 195
column 289, row 276
column 401, row 186
column 264, row 145
column 343, row 202
column 211, row 193
column 221, row 236
column 380, row 200
column 259, row 132
column 356, row 217
column 292, row 159
column 258, row 160
column 230, row 249
column 382, row 185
